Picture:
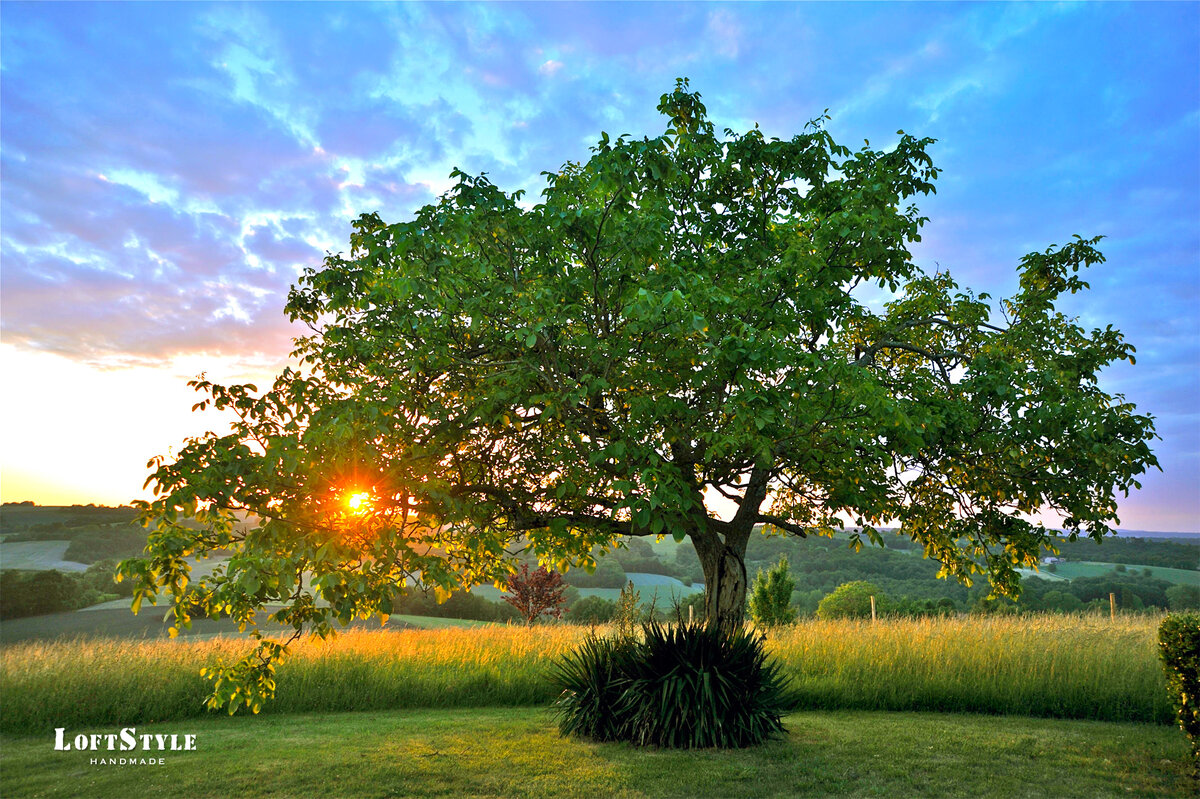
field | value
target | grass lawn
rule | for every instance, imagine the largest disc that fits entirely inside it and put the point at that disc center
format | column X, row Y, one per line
column 518, row 753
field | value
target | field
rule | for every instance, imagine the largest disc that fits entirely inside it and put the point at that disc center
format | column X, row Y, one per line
column 39, row 556
column 1041, row 704
column 518, row 753
column 1072, row 569
column 462, row 712
column 1056, row 666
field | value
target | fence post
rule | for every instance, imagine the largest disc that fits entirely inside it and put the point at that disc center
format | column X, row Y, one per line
column 872, row 607
column 1112, row 606
column 691, row 613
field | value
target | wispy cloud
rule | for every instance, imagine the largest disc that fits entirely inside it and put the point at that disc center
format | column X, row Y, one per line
column 168, row 169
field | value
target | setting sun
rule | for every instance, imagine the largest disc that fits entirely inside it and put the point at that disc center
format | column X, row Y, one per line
column 359, row 503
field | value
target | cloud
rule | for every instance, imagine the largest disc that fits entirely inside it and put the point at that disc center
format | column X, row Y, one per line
column 725, row 33
column 168, row 169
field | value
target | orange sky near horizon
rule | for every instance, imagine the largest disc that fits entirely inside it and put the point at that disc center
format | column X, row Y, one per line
column 81, row 434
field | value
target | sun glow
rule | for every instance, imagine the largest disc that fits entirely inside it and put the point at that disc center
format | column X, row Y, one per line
column 359, row 503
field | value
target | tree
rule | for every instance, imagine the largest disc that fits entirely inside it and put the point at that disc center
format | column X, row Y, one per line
column 536, row 594
column 1183, row 597
column 771, row 596
column 592, row 610
column 1062, row 601
column 676, row 316
column 850, row 600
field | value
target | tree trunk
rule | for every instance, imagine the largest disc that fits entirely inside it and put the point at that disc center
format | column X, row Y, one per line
column 724, row 579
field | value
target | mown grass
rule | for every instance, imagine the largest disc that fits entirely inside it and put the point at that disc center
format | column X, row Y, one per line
column 518, row 753
column 1058, row 666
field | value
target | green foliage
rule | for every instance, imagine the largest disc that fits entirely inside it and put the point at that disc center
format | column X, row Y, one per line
column 102, row 576
column 771, row 596
column 1184, row 597
column 1133, row 591
column 628, row 614
column 851, row 600
column 592, row 610
column 36, row 593
column 1179, row 648
column 593, row 680
column 608, row 574
column 460, row 605
column 1134, row 551
column 636, row 555
column 682, row 686
column 918, row 608
column 490, row 374
column 1062, row 602
column 689, row 608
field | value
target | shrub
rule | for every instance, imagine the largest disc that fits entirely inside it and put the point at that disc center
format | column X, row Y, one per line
column 35, row 593
column 684, row 686
column 628, row 613
column 470, row 606
column 1179, row 648
column 592, row 610
column 593, row 680
column 1184, row 597
column 536, row 594
column 771, row 596
column 849, row 600
column 1062, row 601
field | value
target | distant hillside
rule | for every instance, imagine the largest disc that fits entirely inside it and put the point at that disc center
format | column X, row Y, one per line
column 91, row 532
column 1193, row 538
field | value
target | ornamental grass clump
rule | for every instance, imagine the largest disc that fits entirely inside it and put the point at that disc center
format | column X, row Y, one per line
column 683, row 686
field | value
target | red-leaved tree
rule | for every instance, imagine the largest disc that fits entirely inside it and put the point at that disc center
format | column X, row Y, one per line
column 537, row 594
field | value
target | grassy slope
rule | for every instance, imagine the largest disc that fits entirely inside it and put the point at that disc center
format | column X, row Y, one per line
column 494, row 752
column 37, row 556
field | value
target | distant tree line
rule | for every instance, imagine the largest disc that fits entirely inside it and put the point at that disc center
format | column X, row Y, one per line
column 34, row 593
column 1140, row 551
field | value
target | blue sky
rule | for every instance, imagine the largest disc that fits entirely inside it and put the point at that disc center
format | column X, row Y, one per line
column 167, row 169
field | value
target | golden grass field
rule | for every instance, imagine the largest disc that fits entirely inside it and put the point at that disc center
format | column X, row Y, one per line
column 1069, row 666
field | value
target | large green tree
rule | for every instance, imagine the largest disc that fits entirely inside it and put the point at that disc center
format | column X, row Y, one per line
column 676, row 317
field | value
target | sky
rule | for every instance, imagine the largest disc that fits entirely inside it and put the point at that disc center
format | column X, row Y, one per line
column 166, row 171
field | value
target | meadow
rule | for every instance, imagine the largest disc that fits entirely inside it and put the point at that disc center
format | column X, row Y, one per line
column 1061, row 666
